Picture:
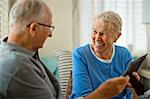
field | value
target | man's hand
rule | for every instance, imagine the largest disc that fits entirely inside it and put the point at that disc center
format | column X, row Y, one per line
column 114, row 86
column 109, row 88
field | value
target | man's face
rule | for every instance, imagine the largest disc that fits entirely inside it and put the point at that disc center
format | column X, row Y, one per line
column 102, row 37
column 43, row 32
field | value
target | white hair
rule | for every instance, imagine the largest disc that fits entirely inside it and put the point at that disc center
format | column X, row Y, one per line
column 24, row 12
column 111, row 20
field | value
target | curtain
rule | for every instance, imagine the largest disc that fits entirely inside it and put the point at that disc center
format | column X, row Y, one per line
column 133, row 36
column 3, row 17
column 5, row 6
column 76, row 23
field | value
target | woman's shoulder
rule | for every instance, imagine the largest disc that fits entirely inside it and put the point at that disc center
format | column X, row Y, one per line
column 121, row 48
column 82, row 48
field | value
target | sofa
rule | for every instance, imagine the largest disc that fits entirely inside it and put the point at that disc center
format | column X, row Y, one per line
column 60, row 65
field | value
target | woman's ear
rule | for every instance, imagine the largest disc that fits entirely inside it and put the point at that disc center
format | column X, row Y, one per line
column 32, row 29
column 118, row 35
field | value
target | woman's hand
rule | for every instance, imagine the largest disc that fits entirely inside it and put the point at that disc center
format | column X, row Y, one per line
column 135, row 96
column 135, row 74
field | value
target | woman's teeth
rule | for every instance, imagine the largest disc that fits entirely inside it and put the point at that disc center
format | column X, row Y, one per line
column 98, row 43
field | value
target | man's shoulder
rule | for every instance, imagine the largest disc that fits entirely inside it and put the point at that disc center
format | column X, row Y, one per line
column 11, row 62
column 11, row 57
column 9, row 66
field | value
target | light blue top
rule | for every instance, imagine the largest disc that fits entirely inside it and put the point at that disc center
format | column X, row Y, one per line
column 89, row 71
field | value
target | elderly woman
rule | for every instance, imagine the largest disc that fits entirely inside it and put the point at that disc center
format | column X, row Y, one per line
column 95, row 63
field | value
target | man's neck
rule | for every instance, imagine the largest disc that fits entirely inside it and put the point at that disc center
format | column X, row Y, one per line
column 19, row 40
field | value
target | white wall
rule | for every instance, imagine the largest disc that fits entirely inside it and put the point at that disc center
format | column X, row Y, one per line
column 4, row 7
column 62, row 20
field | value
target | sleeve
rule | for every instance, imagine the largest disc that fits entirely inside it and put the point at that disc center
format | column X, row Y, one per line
column 128, row 59
column 81, row 81
column 28, row 84
column 129, row 94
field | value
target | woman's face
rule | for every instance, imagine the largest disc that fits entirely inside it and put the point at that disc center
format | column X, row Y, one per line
column 102, row 37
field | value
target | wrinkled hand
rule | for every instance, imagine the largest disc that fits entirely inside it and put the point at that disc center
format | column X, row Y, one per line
column 135, row 96
column 113, row 87
column 136, row 76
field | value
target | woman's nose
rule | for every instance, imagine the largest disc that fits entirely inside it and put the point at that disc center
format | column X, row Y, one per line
column 98, row 35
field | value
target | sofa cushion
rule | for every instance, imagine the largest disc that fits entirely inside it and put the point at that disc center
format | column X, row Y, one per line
column 64, row 68
column 52, row 64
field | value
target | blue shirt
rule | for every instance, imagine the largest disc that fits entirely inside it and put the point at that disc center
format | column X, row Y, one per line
column 89, row 71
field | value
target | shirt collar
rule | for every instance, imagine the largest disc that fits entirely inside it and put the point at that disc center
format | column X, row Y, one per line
column 14, row 47
column 102, row 60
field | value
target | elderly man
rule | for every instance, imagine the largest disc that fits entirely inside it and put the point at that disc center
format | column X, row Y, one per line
column 22, row 74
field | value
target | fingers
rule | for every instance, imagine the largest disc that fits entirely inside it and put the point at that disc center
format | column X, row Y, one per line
column 129, row 85
column 136, row 75
column 121, row 83
column 114, row 86
column 122, row 80
column 125, row 81
column 127, row 78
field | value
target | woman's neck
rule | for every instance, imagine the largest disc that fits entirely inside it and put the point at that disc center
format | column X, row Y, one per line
column 105, row 55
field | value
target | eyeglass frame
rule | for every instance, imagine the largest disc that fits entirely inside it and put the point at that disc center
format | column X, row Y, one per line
column 51, row 27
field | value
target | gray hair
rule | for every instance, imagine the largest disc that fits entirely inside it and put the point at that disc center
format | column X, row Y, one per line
column 111, row 20
column 24, row 12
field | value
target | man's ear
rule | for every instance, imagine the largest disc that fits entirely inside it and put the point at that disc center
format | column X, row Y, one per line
column 118, row 35
column 33, row 29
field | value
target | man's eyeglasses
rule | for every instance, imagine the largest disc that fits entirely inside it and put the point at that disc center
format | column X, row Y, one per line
column 51, row 27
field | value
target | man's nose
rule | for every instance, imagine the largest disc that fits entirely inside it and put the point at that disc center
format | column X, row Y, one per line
column 50, row 34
